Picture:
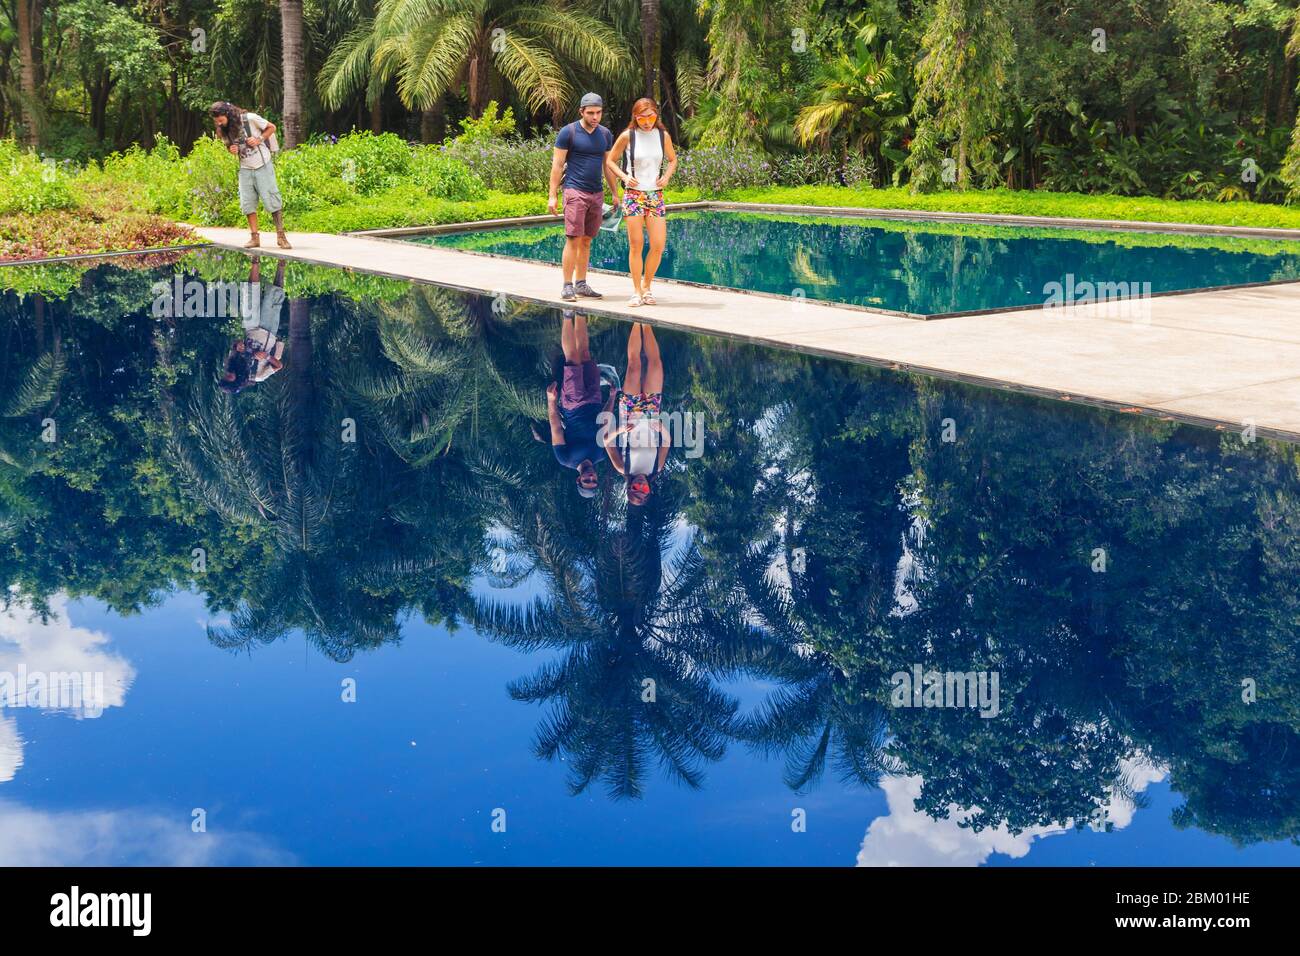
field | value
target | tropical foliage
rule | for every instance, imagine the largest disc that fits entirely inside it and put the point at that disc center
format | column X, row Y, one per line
column 1171, row 98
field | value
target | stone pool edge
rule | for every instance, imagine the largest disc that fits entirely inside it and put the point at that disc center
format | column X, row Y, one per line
column 1220, row 425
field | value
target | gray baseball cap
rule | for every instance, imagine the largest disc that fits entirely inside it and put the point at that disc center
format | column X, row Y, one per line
column 590, row 99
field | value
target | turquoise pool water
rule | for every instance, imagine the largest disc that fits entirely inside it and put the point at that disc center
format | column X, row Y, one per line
column 911, row 267
column 357, row 608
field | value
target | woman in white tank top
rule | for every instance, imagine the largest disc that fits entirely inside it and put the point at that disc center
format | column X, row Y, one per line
column 638, row 443
column 652, row 160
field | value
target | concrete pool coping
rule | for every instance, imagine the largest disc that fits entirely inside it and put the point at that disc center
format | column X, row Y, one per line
column 854, row 306
column 1224, row 359
column 407, row 233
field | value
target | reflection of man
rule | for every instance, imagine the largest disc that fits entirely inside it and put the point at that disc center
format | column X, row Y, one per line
column 256, row 357
column 573, row 404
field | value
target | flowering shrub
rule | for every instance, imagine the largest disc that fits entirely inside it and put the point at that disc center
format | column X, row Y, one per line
column 714, row 170
column 821, row 169
column 506, row 165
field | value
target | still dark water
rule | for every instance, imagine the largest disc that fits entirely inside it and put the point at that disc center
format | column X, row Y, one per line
column 357, row 613
column 910, row 267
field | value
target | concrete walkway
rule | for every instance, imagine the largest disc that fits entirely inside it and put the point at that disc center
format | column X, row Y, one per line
column 1227, row 358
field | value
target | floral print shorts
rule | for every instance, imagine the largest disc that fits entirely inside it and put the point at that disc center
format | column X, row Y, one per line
column 641, row 404
column 638, row 203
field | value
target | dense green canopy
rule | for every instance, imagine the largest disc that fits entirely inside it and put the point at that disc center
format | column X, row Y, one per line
column 1178, row 98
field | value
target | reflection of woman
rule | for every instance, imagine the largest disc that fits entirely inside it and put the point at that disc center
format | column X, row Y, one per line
column 648, row 146
column 638, row 446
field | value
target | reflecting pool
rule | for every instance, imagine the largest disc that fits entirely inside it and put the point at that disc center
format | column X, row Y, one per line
column 921, row 268
column 308, row 582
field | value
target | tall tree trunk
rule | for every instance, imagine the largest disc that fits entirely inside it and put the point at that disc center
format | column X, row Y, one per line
column 433, row 123
column 651, row 47
column 962, row 177
column 1283, row 113
column 377, row 116
column 478, row 78
column 302, row 391
column 300, row 354
column 28, row 10
column 292, row 69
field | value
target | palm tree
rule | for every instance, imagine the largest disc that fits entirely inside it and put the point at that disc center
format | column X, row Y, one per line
column 1291, row 165
column 293, row 58
column 27, row 387
column 332, row 556
column 29, row 14
column 820, row 712
column 651, row 47
column 861, row 99
column 243, row 47
column 445, row 365
column 431, row 46
column 624, row 622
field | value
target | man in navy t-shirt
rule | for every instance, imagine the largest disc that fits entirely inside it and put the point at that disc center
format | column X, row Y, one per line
column 579, row 161
column 573, row 404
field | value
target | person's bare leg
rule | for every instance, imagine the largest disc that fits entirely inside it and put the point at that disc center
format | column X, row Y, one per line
column 570, row 258
column 654, row 366
column 632, row 380
column 253, row 238
column 569, row 340
column 658, row 229
column 584, row 255
column 580, row 337
column 635, row 250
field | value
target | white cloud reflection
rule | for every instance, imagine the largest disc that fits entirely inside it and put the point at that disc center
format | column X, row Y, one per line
column 907, row 837
column 99, row 678
column 123, row 838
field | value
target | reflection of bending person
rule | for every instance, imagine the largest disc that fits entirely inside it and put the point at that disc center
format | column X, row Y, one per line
column 638, row 446
column 573, row 404
column 256, row 357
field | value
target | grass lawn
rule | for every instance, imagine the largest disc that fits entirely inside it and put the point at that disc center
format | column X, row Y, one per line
column 1033, row 203
column 128, row 207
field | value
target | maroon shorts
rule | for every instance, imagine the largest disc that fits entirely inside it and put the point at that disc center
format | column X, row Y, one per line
column 582, row 212
column 581, row 385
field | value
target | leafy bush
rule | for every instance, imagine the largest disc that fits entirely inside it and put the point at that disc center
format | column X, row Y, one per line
column 444, row 176
column 30, row 184
column 412, row 206
column 67, row 232
column 714, row 170
column 368, row 162
column 310, row 178
column 200, row 188
column 489, row 125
